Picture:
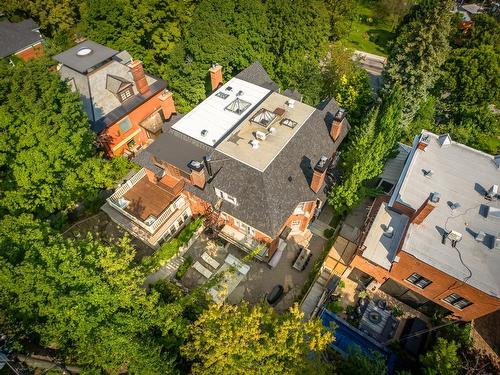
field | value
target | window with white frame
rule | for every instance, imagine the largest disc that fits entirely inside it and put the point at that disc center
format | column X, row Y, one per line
column 246, row 228
column 226, row 197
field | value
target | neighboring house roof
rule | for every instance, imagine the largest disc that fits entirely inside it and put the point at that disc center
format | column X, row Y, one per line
column 85, row 56
column 98, row 77
column 472, row 8
column 461, row 175
column 17, row 36
column 393, row 167
column 293, row 94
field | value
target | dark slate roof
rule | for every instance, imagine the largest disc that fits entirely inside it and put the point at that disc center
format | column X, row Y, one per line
column 16, row 36
column 293, row 94
column 257, row 75
column 266, row 199
column 175, row 148
column 81, row 64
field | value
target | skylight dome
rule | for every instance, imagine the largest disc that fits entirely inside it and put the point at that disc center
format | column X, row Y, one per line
column 84, row 51
column 238, row 106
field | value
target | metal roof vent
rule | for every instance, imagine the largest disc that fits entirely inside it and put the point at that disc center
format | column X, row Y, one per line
column 204, row 132
column 261, row 136
column 239, row 93
column 255, row 144
column 84, row 51
column 290, row 103
column 435, row 197
column 444, row 140
column 388, row 231
column 455, row 205
column 428, row 173
column 493, row 212
column 480, row 236
column 492, row 192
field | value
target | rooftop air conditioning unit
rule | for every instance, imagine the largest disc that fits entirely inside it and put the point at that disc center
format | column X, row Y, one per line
column 261, row 136
column 455, row 236
column 290, row 103
column 272, row 130
column 255, row 144
column 389, row 232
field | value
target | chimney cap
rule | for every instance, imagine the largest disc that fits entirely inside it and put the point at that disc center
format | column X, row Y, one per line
column 339, row 116
column 435, row 197
column 195, row 165
column 322, row 164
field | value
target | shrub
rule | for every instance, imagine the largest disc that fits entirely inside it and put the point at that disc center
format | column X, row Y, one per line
column 328, row 233
column 181, row 271
column 396, row 311
column 335, row 307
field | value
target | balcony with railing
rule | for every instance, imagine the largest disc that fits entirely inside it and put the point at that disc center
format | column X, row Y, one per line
column 244, row 242
column 146, row 203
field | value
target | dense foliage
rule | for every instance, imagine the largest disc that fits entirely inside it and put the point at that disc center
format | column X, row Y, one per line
column 48, row 159
column 420, row 48
column 358, row 363
column 442, row 359
column 237, row 339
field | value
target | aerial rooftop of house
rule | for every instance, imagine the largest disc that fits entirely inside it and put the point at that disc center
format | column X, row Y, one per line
column 463, row 184
column 261, row 136
column 14, row 36
column 262, row 148
column 103, row 77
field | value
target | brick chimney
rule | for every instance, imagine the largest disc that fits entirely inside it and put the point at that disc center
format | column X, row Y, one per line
column 337, row 124
column 167, row 103
column 215, row 76
column 319, row 173
column 423, row 142
column 198, row 177
column 139, row 77
column 426, row 208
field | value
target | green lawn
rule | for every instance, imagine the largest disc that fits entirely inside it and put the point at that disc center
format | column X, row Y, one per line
column 368, row 33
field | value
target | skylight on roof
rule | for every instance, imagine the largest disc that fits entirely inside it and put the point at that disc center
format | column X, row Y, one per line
column 288, row 122
column 264, row 117
column 238, row 106
column 222, row 95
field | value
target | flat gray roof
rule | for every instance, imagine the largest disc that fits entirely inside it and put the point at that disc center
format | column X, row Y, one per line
column 461, row 175
column 76, row 59
column 381, row 249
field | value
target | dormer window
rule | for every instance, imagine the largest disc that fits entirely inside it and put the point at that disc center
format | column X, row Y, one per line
column 119, row 86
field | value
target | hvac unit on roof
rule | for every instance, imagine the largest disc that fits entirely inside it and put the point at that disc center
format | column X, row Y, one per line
column 388, row 231
column 261, row 136
column 492, row 192
column 204, row 132
column 290, row 103
column 255, row 144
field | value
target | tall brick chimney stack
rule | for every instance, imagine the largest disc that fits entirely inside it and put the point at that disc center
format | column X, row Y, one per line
column 426, row 208
column 319, row 173
column 198, row 177
column 139, row 77
column 337, row 124
column 216, row 76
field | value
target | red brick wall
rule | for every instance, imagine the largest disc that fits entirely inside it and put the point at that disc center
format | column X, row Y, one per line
column 32, row 52
column 442, row 285
column 112, row 133
column 304, row 220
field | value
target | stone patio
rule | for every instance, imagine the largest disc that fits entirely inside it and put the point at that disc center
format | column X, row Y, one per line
column 259, row 281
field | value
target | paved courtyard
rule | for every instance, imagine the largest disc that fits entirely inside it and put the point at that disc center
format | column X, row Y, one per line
column 260, row 279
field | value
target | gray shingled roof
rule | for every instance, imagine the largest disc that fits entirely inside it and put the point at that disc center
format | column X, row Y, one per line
column 257, row 75
column 266, row 199
column 18, row 35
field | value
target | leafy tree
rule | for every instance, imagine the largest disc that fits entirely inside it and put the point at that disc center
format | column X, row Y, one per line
column 442, row 359
column 377, row 138
column 485, row 31
column 54, row 16
column 358, row 363
column 48, row 159
column 86, row 300
column 238, row 339
column 393, row 10
column 347, row 82
column 342, row 14
column 418, row 52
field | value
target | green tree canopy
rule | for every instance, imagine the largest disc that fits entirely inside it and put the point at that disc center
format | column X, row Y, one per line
column 238, row 339
column 48, row 159
column 85, row 300
column 420, row 48
column 442, row 359
column 358, row 363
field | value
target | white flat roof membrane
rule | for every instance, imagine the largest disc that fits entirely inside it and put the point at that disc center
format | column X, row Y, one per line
column 210, row 121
